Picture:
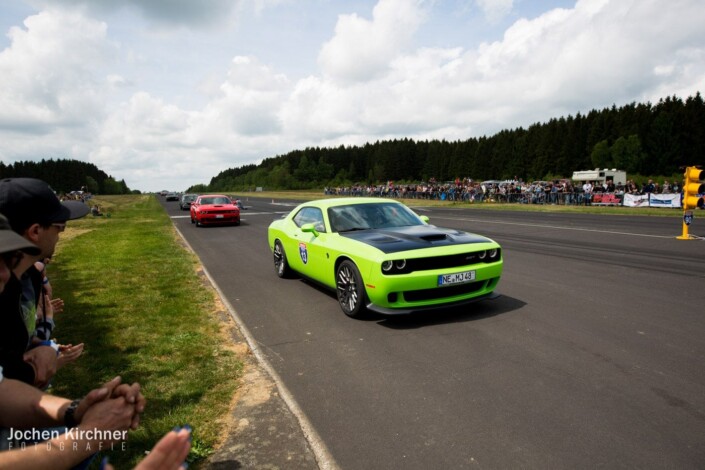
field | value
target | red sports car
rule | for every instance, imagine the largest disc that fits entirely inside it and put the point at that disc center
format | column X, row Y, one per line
column 214, row 209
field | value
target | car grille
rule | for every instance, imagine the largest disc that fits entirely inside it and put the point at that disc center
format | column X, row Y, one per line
column 444, row 262
column 443, row 292
column 216, row 211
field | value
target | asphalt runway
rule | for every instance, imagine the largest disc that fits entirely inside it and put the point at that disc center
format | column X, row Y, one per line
column 594, row 356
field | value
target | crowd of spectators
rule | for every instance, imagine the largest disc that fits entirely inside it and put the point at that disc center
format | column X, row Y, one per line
column 562, row 191
column 79, row 195
column 37, row 429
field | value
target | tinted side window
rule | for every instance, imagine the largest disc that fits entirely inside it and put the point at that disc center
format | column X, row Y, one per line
column 310, row 215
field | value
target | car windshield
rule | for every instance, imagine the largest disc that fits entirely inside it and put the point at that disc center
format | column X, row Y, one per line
column 371, row 216
column 189, row 198
column 215, row 200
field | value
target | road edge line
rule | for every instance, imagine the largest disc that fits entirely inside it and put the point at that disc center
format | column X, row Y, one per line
column 320, row 451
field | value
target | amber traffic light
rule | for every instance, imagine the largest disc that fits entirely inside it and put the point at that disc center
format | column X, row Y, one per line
column 694, row 186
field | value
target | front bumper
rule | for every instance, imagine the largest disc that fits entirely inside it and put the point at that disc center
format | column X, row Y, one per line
column 419, row 291
column 211, row 219
column 431, row 308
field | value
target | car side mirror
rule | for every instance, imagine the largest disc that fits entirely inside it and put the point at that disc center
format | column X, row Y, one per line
column 424, row 218
column 309, row 228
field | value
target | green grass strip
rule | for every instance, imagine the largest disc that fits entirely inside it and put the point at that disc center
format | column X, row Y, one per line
column 134, row 296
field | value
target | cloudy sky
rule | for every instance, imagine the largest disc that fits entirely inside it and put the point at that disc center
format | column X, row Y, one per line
column 166, row 94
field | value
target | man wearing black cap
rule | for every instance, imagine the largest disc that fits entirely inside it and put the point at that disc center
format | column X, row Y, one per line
column 35, row 213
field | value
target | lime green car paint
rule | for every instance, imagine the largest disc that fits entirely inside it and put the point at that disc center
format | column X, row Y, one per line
column 317, row 236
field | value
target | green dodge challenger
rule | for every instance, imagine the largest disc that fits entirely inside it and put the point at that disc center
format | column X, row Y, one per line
column 378, row 255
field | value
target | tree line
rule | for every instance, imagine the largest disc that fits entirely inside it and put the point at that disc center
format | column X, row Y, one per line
column 644, row 139
column 66, row 175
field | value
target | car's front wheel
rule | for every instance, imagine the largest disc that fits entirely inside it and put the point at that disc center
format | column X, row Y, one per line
column 350, row 290
column 281, row 265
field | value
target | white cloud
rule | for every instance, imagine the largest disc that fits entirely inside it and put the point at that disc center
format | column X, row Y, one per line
column 566, row 60
column 51, row 73
column 193, row 146
column 250, row 98
column 79, row 92
column 495, row 10
column 148, row 138
column 362, row 49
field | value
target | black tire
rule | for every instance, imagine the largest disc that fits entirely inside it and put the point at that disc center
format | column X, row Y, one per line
column 281, row 265
column 350, row 289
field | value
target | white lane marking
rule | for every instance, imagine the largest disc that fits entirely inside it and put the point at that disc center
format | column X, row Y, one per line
column 286, row 204
column 321, row 453
column 556, row 227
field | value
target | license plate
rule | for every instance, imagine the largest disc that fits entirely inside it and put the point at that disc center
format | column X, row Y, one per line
column 219, row 216
column 457, row 278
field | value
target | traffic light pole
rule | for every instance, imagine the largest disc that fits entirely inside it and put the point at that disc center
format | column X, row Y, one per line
column 687, row 219
column 692, row 189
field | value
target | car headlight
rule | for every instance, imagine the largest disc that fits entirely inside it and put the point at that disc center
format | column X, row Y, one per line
column 393, row 266
column 493, row 253
column 482, row 255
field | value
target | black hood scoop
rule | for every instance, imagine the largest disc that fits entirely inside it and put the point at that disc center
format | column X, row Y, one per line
column 412, row 238
column 434, row 237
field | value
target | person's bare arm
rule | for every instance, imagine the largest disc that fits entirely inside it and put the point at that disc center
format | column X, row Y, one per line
column 114, row 407
column 22, row 403
column 103, row 424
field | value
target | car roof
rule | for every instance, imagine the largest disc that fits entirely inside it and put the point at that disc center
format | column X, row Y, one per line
column 346, row 201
